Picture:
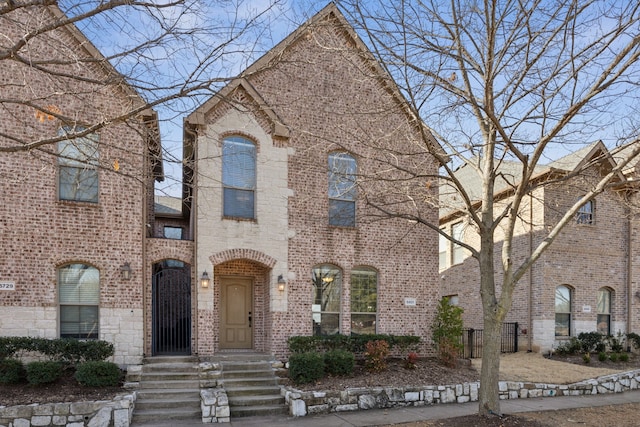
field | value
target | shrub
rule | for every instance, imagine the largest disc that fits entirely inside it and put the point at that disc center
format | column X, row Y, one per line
column 306, row 367
column 586, row 357
column 573, row 346
column 11, row 371
column 412, row 360
column 602, row 356
column 616, row 343
column 624, row 357
column 446, row 331
column 63, row 349
column 43, row 372
column 375, row 355
column 351, row 343
column 591, row 341
column 634, row 338
column 98, row 374
column 614, row 357
column 339, row 362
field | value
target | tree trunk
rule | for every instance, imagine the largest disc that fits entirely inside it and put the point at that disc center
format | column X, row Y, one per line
column 489, row 398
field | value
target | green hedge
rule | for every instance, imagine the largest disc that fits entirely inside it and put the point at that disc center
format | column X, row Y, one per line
column 66, row 350
column 306, row 367
column 43, row 372
column 11, row 371
column 353, row 343
column 98, row 374
column 339, row 362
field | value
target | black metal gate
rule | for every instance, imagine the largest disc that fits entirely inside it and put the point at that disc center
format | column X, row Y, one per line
column 472, row 341
column 171, row 311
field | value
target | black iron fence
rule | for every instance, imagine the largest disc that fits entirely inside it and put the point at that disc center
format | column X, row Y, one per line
column 472, row 341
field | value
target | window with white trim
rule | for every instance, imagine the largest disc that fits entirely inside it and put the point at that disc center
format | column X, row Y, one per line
column 603, row 308
column 238, row 177
column 563, row 311
column 325, row 306
column 364, row 300
column 79, row 299
column 342, row 190
column 457, row 232
column 78, row 166
column 585, row 214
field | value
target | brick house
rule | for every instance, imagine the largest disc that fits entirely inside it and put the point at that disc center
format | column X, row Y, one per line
column 586, row 281
column 281, row 228
column 74, row 211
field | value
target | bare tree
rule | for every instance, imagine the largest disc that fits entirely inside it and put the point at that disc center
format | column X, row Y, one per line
column 61, row 60
column 506, row 81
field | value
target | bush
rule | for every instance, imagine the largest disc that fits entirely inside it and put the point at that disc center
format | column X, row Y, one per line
column 586, row 357
column 624, row 357
column 614, row 357
column 591, row 341
column 98, row 374
column 67, row 350
column 411, row 360
column 11, row 371
column 376, row 354
column 573, row 346
column 602, row 356
column 306, row 367
column 634, row 339
column 617, row 343
column 446, row 331
column 339, row 362
column 43, row 372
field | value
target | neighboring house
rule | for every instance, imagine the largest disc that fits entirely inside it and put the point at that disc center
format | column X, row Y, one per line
column 588, row 278
column 280, row 225
column 73, row 213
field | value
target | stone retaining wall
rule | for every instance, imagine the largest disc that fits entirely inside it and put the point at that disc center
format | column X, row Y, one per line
column 116, row 413
column 303, row 403
column 215, row 406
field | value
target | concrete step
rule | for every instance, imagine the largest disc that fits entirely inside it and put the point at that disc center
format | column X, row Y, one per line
column 265, row 400
column 170, row 376
column 170, row 367
column 228, row 383
column 166, row 403
column 149, row 415
column 169, row 384
column 169, row 393
column 253, row 390
column 250, row 411
column 169, row 359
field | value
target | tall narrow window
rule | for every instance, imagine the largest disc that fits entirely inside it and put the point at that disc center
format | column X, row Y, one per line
column 238, row 177
column 342, row 190
column 364, row 301
column 78, row 167
column 79, row 297
column 603, row 306
column 585, row 213
column 563, row 311
column 457, row 232
column 443, row 248
column 325, row 308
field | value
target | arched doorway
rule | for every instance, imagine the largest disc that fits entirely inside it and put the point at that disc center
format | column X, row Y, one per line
column 171, row 308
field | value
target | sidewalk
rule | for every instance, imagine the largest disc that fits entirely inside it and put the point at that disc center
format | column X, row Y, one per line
column 375, row 417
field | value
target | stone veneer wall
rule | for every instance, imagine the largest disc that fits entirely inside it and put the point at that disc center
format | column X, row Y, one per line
column 321, row 402
column 116, row 413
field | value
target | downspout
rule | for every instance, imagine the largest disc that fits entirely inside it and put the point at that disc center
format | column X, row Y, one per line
column 530, row 322
column 193, row 227
column 629, row 271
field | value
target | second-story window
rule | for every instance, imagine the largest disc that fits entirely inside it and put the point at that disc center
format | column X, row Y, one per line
column 172, row 232
column 342, row 190
column 238, row 177
column 78, row 167
column 585, row 213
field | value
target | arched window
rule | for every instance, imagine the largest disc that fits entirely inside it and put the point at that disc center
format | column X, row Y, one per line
column 563, row 311
column 327, row 287
column 364, row 300
column 603, row 308
column 238, row 177
column 342, row 190
column 79, row 297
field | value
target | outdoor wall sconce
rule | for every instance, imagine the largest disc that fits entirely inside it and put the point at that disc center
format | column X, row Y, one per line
column 125, row 271
column 281, row 283
column 204, row 280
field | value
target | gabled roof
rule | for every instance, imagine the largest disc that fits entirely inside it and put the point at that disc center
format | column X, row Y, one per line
column 275, row 54
column 509, row 175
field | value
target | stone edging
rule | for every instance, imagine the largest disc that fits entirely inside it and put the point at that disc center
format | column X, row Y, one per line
column 302, row 403
column 215, row 406
column 116, row 412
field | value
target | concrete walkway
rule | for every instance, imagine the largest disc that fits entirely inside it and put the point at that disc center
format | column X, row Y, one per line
column 376, row 417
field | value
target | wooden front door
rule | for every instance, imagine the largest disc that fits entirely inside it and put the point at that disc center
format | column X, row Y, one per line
column 236, row 307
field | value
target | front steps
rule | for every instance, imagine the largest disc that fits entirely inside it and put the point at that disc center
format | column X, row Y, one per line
column 169, row 389
column 252, row 387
